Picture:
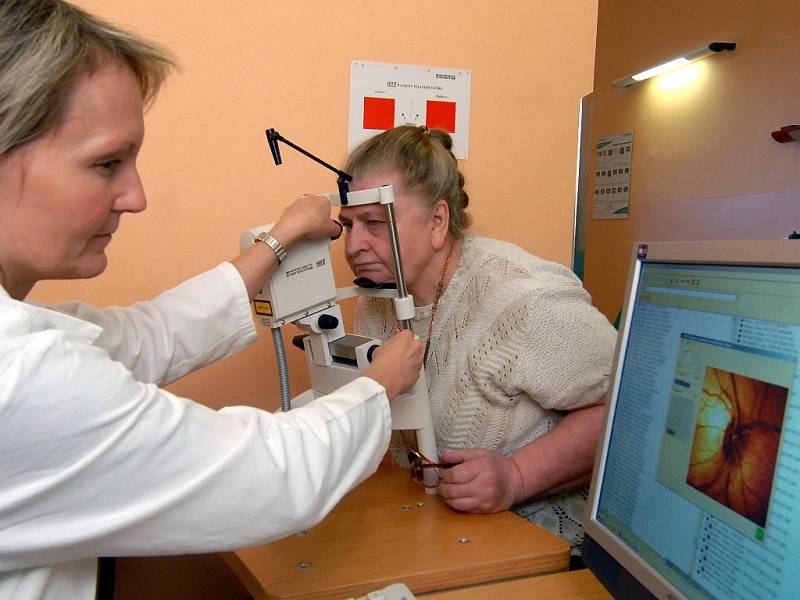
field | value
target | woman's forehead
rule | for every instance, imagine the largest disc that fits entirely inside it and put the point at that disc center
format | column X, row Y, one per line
column 363, row 211
column 104, row 107
column 377, row 178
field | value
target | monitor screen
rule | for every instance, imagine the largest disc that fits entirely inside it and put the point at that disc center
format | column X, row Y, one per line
column 697, row 479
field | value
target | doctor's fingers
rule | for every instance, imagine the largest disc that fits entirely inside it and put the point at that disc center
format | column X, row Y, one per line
column 403, row 350
column 307, row 217
column 396, row 364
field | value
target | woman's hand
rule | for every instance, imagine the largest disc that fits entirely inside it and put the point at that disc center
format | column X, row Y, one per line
column 307, row 217
column 481, row 481
column 396, row 364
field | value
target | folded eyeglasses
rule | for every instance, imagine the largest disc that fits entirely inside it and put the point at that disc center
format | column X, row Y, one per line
column 420, row 462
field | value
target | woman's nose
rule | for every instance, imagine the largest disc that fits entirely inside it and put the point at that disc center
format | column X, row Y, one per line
column 354, row 240
column 131, row 197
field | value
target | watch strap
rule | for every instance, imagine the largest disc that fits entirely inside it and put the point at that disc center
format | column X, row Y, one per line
column 273, row 243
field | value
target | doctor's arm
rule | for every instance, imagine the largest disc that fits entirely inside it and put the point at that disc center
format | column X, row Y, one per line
column 307, row 217
column 398, row 361
column 173, row 334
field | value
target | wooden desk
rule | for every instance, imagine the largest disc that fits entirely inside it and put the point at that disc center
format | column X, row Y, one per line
column 388, row 530
column 571, row 585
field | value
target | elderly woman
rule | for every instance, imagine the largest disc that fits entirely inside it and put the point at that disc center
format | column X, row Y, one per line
column 97, row 460
column 516, row 357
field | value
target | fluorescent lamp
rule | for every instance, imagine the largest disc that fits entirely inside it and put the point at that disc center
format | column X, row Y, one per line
column 674, row 63
column 666, row 67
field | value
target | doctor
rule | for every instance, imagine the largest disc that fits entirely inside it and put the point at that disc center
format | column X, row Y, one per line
column 97, row 459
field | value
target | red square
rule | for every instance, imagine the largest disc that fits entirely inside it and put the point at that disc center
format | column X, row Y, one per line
column 378, row 113
column 441, row 115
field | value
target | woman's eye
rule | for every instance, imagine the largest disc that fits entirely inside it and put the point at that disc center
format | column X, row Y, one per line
column 109, row 165
column 375, row 223
column 347, row 226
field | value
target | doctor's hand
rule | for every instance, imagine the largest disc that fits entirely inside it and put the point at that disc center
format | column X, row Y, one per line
column 396, row 363
column 307, row 217
column 481, row 481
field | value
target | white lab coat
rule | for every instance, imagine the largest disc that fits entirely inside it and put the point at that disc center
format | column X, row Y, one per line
column 97, row 460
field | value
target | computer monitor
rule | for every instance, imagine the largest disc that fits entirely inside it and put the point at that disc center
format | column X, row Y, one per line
column 696, row 487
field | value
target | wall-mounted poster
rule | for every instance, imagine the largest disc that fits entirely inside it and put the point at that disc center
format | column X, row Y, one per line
column 384, row 95
column 612, row 176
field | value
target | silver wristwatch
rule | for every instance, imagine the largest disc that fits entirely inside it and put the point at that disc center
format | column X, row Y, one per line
column 273, row 243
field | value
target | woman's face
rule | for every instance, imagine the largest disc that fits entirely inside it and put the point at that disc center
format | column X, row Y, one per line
column 63, row 193
column 367, row 246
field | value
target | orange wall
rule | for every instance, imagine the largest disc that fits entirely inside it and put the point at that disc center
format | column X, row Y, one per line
column 286, row 65
column 704, row 165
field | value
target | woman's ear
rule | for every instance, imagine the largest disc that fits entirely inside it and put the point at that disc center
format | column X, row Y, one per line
column 440, row 224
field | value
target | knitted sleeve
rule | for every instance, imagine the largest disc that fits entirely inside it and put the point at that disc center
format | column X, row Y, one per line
column 547, row 343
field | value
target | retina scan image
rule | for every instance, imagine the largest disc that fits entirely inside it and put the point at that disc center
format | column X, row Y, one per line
column 736, row 440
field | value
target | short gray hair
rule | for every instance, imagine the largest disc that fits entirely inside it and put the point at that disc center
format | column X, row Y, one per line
column 44, row 46
column 424, row 159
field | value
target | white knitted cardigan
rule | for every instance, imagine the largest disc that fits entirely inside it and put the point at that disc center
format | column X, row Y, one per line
column 515, row 342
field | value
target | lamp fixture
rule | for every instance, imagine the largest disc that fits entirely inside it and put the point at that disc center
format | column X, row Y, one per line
column 787, row 133
column 675, row 63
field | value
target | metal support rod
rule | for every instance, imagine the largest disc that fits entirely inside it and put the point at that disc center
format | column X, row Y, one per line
column 341, row 174
column 394, row 242
column 273, row 136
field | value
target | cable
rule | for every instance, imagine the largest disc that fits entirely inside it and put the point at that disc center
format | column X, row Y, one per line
column 283, row 369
